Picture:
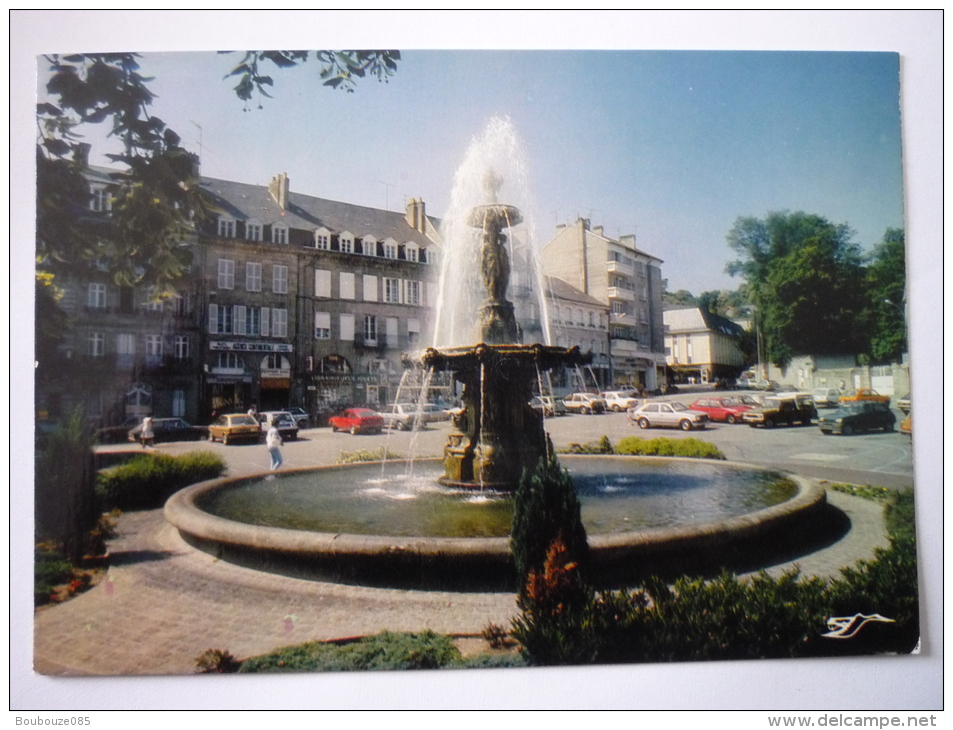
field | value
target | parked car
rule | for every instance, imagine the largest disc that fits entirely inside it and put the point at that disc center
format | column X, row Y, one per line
column 906, row 425
column 826, row 397
column 286, row 424
column 620, row 400
column 300, row 415
column 904, row 404
column 667, row 414
column 721, row 409
column 117, row 434
column 782, row 409
column 434, row 413
column 233, row 427
column 404, row 416
column 754, row 400
column 171, row 429
column 584, row 403
column 862, row 394
column 858, row 417
column 357, row 420
column 548, row 405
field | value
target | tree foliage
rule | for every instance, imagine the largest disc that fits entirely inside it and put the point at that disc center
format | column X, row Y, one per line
column 806, row 279
column 337, row 69
column 886, row 287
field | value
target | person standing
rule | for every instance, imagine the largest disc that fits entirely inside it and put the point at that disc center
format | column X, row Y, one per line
column 273, row 442
column 146, row 435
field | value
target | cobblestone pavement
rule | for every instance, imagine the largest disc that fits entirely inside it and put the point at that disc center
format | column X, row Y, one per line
column 163, row 602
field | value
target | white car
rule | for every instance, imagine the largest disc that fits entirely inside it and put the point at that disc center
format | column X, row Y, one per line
column 584, row 403
column 620, row 400
column 403, row 416
column 668, row 414
column 826, row 397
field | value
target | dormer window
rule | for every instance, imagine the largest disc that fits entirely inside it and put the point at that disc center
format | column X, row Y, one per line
column 279, row 234
column 390, row 249
column 101, row 202
column 411, row 251
column 253, row 231
column 369, row 246
column 226, row 227
column 322, row 239
column 346, row 242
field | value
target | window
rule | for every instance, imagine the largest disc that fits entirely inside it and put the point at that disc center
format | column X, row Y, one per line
column 178, row 403
column 410, row 251
column 96, row 296
column 125, row 349
column 392, row 325
column 279, row 322
column 347, row 285
column 370, row 329
column 279, row 234
column 101, row 202
column 153, row 302
column 253, row 276
column 226, row 227
column 322, row 240
column 238, row 319
column 252, row 321
column 390, row 250
column 183, row 347
column 347, row 327
column 182, row 305
column 412, row 292
column 592, row 319
column 369, row 246
column 392, row 291
column 322, row 283
column 97, row 344
column 224, row 320
column 279, row 279
column 154, row 345
column 229, row 361
column 346, row 243
column 226, row 274
column 252, row 231
column 322, row 325
column 370, row 288
column 274, row 361
column 413, row 331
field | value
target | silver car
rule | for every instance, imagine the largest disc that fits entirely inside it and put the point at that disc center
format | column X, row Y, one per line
column 668, row 414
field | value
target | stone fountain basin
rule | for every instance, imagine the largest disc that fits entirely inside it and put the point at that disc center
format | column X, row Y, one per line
column 742, row 543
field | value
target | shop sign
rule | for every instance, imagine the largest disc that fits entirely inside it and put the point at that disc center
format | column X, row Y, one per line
column 251, row 346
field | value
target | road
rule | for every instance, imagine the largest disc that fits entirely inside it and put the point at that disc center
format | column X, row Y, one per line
column 879, row 459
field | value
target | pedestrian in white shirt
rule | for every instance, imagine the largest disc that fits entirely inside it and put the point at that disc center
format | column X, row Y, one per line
column 273, row 441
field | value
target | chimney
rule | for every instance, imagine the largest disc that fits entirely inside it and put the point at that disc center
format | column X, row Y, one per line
column 416, row 216
column 279, row 189
column 597, row 230
column 81, row 154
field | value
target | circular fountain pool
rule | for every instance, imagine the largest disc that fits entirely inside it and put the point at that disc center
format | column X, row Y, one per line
column 393, row 524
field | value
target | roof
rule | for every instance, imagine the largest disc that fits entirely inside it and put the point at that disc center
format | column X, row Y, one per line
column 559, row 289
column 694, row 319
column 305, row 212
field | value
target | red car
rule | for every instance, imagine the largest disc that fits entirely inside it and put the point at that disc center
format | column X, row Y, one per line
column 721, row 409
column 357, row 420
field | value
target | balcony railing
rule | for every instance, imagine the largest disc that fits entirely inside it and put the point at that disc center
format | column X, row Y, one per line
column 617, row 292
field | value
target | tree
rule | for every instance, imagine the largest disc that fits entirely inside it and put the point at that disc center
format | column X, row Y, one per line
column 886, row 287
column 804, row 275
column 337, row 69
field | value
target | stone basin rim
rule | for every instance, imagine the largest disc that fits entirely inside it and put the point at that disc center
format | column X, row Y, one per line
column 181, row 511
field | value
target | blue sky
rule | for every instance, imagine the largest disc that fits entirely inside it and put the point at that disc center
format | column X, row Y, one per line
column 672, row 146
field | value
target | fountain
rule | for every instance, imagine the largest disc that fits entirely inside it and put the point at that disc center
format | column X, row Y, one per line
column 444, row 523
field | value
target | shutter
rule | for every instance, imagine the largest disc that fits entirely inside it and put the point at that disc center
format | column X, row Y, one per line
column 238, row 319
column 213, row 319
column 347, row 327
column 265, row 321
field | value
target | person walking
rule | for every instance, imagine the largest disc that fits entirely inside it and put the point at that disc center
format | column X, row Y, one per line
column 146, row 436
column 273, row 441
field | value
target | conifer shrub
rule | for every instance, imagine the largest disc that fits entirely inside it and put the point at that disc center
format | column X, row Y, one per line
column 66, row 505
column 149, row 480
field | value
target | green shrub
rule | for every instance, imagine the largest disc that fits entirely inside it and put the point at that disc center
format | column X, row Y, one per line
column 492, row 661
column 602, row 446
column 386, row 650
column 216, row 661
column 66, row 505
column 381, row 454
column 663, row 446
column 50, row 569
column 149, row 480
